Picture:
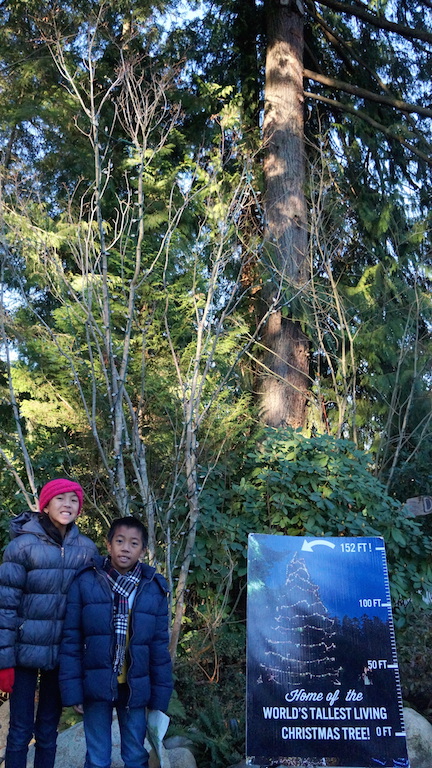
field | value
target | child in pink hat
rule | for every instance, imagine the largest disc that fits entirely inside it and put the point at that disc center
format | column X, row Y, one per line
column 38, row 566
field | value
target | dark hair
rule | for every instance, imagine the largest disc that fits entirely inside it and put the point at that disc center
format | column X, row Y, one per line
column 128, row 522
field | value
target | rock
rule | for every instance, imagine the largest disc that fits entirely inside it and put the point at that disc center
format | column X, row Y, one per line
column 419, row 739
column 172, row 742
column 4, row 726
column 154, row 759
column 71, row 751
column 71, row 748
column 181, row 757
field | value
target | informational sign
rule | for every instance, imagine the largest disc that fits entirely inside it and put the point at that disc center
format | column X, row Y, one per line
column 323, row 682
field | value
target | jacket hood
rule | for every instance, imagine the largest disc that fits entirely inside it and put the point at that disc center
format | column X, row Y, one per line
column 29, row 522
column 26, row 522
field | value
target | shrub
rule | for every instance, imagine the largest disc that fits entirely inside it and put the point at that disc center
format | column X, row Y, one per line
column 323, row 486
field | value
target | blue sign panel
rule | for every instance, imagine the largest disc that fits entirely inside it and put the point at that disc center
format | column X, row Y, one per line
column 323, row 682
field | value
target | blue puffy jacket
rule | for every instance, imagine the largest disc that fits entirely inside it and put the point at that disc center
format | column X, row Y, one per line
column 87, row 649
column 34, row 579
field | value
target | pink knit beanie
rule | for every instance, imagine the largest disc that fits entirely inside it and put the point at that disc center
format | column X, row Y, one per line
column 55, row 487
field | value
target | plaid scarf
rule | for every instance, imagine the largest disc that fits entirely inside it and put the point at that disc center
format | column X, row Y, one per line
column 122, row 586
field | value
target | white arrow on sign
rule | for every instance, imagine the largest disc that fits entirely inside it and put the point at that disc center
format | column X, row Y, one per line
column 308, row 546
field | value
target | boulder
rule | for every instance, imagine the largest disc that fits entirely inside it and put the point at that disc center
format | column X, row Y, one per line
column 71, row 748
column 4, row 726
column 419, row 739
column 181, row 757
column 172, row 742
column 71, row 751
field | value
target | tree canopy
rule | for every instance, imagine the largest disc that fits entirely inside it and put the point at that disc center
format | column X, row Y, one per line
column 216, row 219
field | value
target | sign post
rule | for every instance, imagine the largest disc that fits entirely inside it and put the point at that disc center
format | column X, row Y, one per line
column 323, row 682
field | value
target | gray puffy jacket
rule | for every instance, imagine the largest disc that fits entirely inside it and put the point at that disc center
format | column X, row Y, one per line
column 34, row 579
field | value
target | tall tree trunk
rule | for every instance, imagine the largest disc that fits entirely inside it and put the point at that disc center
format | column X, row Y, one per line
column 283, row 379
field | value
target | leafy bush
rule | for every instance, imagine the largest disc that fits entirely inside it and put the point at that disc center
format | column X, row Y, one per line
column 210, row 683
column 303, row 486
column 293, row 485
column 415, row 659
column 323, row 486
column 69, row 718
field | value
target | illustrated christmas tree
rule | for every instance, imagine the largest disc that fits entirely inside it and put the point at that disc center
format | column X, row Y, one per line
column 300, row 647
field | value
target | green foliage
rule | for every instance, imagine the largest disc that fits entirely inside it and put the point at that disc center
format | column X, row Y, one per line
column 217, row 742
column 4, row 530
column 369, row 317
column 176, row 710
column 294, row 485
column 414, row 644
column 69, row 718
column 210, row 683
column 370, row 337
column 306, row 486
column 413, row 476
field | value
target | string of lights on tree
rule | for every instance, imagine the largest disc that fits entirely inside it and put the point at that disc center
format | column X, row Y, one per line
column 300, row 643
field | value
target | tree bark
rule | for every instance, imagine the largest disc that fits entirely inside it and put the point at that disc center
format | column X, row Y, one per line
column 283, row 380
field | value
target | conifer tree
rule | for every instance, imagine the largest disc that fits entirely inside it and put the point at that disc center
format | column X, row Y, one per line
column 359, row 132
column 301, row 642
column 307, row 289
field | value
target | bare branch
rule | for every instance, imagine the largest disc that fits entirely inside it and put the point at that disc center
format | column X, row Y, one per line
column 363, row 93
column 378, row 21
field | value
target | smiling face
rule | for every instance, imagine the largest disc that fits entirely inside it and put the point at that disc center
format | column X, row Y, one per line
column 63, row 509
column 125, row 548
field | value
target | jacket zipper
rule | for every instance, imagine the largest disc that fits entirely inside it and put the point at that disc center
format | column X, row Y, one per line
column 106, row 587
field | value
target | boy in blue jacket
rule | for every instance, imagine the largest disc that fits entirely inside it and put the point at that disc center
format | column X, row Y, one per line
column 114, row 651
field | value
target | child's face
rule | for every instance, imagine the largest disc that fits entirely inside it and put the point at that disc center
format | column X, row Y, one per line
column 63, row 509
column 125, row 548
